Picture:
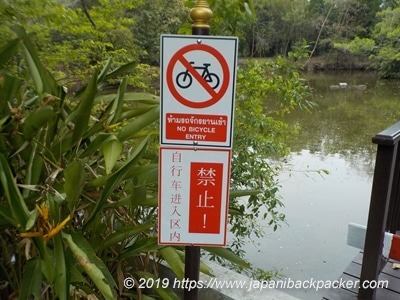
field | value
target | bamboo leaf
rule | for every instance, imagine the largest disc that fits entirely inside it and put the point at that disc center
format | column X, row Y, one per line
column 92, row 265
column 228, row 255
column 111, row 150
column 31, row 284
column 171, row 256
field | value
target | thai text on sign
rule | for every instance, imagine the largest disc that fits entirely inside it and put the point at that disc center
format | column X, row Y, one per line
column 196, row 127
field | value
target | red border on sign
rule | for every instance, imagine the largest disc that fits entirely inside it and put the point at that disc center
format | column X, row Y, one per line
column 215, row 95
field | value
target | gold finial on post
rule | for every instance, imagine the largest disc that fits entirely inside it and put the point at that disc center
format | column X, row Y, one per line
column 201, row 14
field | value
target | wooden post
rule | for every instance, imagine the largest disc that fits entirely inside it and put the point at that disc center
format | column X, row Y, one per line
column 378, row 210
column 381, row 196
column 200, row 14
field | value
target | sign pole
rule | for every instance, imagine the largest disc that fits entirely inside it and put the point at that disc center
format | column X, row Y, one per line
column 200, row 14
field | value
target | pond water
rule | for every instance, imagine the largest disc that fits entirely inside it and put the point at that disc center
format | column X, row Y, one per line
column 335, row 137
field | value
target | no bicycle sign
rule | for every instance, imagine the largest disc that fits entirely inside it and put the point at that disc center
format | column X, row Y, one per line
column 198, row 75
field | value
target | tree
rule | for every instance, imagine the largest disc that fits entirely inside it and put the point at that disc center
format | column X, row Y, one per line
column 278, row 26
column 87, row 158
column 68, row 39
column 387, row 37
column 153, row 18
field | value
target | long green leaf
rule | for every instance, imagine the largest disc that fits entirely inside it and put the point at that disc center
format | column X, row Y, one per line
column 228, row 255
column 116, row 178
column 111, row 150
column 121, row 70
column 139, row 123
column 31, row 284
column 144, row 98
column 118, row 103
column 203, row 267
column 61, row 284
column 44, row 81
column 9, row 89
column 8, row 50
column 145, row 174
column 170, row 255
column 104, row 71
column 74, row 271
column 36, row 120
column 34, row 70
column 6, row 217
column 140, row 246
column 124, row 233
column 84, row 109
column 75, row 177
column 243, row 193
column 93, row 266
column 14, row 198
column 95, row 144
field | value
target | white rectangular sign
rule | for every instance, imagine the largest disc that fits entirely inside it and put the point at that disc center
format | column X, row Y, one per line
column 198, row 78
column 193, row 196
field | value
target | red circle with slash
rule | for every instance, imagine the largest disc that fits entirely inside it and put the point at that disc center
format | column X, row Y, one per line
column 215, row 96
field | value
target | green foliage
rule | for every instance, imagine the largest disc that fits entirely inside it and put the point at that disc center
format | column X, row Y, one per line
column 358, row 46
column 387, row 36
column 78, row 186
column 47, row 164
column 74, row 36
column 153, row 18
column 230, row 18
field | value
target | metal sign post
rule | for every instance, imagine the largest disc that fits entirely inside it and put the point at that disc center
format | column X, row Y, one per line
column 198, row 76
column 200, row 14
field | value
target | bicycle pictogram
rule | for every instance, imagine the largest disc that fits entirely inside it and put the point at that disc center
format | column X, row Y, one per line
column 185, row 79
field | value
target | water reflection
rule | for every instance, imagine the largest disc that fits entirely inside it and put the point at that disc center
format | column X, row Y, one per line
column 346, row 119
column 336, row 137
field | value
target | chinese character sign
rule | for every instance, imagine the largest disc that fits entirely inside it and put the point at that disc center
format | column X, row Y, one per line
column 205, row 197
column 193, row 196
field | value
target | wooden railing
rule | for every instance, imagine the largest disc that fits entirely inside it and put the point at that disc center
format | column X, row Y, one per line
column 384, row 210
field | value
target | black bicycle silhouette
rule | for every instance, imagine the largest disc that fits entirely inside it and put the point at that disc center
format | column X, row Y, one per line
column 184, row 79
